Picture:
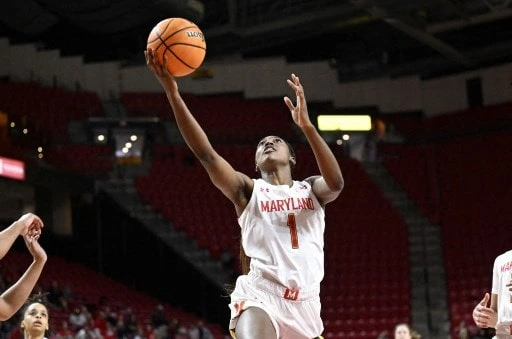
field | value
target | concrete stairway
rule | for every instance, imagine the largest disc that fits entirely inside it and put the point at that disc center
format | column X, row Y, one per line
column 430, row 315
column 124, row 192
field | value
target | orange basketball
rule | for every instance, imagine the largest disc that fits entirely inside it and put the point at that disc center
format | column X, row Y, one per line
column 181, row 41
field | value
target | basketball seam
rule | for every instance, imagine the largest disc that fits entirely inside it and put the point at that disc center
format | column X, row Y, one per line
column 185, row 44
column 158, row 34
column 177, row 57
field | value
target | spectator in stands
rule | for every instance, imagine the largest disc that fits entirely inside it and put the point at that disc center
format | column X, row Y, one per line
column 110, row 332
column 67, row 295
column 282, row 220
column 125, row 330
column 78, row 318
column 56, row 295
column 35, row 317
column 462, row 330
column 88, row 331
column 64, row 332
column 404, row 331
column 173, row 327
column 130, row 321
column 182, row 333
column 199, row 331
column 148, row 330
column 29, row 227
column 111, row 315
column 160, row 322
column 497, row 314
column 100, row 321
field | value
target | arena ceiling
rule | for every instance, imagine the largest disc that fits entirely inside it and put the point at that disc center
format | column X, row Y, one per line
column 360, row 38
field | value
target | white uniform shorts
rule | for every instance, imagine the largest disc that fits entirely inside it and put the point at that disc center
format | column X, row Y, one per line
column 503, row 331
column 295, row 314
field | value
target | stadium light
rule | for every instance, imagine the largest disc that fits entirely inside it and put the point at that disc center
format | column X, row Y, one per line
column 349, row 123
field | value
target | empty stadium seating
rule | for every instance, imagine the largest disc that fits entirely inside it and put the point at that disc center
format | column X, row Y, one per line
column 45, row 111
column 226, row 118
column 92, row 160
column 459, row 179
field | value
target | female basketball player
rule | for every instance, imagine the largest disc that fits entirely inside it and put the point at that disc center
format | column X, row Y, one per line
column 34, row 323
column 282, row 221
column 497, row 314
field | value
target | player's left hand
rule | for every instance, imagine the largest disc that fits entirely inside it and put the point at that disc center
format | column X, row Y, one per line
column 484, row 316
column 299, row 111
column 35, row 249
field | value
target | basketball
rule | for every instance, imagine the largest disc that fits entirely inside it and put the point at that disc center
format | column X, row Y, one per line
column 181, row 41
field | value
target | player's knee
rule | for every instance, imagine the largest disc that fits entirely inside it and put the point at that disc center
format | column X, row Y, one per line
column 254, row 323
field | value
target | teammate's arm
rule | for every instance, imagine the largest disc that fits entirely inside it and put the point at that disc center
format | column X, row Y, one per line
column 27, row 224
column 13, row 298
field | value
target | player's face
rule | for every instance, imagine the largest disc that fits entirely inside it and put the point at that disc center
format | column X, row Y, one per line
column 272, row 149
column 35, row 320
column 402, row 332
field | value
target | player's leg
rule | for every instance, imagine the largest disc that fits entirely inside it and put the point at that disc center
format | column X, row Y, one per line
column 254, row 323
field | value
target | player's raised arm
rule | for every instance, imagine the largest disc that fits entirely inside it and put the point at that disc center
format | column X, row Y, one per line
column 11, row 300
column 27, row 224
column 329, row 185
column 232, row 183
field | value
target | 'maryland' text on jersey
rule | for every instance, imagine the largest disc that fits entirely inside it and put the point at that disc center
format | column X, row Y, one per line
column 288, row 204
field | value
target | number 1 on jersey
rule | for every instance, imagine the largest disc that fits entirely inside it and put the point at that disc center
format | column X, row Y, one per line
column 293, row 230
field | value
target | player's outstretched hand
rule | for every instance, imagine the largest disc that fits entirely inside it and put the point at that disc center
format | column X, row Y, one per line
column 35, row 249
column 31, row 225
column 161, row 72
column 299, row 111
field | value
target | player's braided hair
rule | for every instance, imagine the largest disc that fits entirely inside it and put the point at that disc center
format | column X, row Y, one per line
column 292, row 153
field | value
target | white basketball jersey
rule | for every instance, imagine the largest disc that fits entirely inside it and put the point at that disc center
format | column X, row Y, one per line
column 502, row 275
column 283, row 234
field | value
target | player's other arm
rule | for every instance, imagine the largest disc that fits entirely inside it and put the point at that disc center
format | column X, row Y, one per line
column 330, row 183
column 13, row 298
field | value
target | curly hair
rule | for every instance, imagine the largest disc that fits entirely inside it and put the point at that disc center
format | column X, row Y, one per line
column 40, row 298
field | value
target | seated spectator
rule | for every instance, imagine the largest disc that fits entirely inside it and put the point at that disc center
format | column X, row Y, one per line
column 78, row 318
column 404, row 331
column 160, row 322
column 88, row 331
column 100, row 321
column 56, row 296
column 64, row 332
column 199, row 331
